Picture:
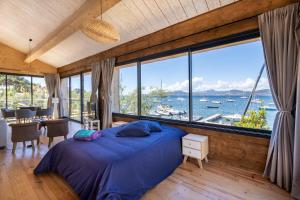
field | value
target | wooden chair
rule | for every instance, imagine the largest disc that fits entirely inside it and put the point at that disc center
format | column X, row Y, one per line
column 56, row 128
column 25, row 132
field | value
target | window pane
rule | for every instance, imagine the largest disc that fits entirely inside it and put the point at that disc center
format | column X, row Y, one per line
column 18, row 91
column 40, row 94
column 65, row 88
column 75, row 98
column 223, row 79
column 165, row 87
column 127, row 89
column 2, row 91
column 87, row 82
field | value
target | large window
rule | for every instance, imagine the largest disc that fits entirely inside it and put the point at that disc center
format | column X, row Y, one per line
column 127, row 90
column 21, row 91
column 88, row 109
column 165, row 86
column 223, row 80
column 2, row 91
column 18, row 91
column 75, row 98
column 40, row 94
column 223, row 85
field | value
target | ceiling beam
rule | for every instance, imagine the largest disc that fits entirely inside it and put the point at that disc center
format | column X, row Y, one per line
column 90, row 9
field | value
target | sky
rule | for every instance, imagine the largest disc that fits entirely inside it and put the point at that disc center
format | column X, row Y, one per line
column 233, row 67
column 75, row 81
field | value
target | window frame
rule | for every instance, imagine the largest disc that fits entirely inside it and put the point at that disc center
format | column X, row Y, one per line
column 16, row 74
column 241, row 37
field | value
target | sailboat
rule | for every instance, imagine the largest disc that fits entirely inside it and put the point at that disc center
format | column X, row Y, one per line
column 216, row 102
column 203, row 100
column 230, row 100
column 244, row 96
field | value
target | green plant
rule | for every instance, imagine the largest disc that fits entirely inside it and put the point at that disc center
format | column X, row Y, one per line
column 254, row 119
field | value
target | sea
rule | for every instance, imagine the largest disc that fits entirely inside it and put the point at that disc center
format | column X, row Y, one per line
column 237, row 105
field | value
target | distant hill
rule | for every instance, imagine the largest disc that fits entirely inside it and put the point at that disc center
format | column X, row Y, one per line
column 264, row 92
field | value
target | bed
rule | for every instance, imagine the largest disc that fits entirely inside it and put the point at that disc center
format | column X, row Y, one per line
column 113, row 167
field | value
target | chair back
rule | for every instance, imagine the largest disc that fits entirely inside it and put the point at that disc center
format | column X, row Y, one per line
column 33, row 108
column 6, row 113
column 49, row 111
column 25, row 114
column 59, row 127
column 24, row 132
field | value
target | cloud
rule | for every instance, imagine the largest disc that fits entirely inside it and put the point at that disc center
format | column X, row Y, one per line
column 199, row 84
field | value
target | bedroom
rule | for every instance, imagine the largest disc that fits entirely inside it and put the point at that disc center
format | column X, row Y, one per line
column 202, row 97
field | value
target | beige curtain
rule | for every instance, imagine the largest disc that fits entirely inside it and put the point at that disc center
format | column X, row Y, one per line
column 296, row 166
column 53, row 87
column 277, row 30
column 96, row 73
column 107, row 69
column 60, row 96
column 50, row 80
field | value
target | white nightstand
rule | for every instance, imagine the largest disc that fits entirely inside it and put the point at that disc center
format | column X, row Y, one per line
column 195, row 146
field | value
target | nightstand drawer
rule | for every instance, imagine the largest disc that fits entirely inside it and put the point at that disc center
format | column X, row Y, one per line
column 191, row 144
column 191, row 152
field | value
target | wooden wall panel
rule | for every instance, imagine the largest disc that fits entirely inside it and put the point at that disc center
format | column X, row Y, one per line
column 230, row 14
column 242, row 151
column 12, row 61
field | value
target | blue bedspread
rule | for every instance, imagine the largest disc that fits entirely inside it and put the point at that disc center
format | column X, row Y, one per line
column 115, row 167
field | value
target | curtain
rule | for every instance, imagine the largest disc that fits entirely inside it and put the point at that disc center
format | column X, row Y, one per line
column 296, row 166
column 50, row 80
column 96, row 73
column 277, row 30
column 59, row 95
column 107, row 70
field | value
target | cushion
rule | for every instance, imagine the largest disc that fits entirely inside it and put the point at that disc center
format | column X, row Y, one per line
column 86, row 135
column 154, row 126
column 134, row 130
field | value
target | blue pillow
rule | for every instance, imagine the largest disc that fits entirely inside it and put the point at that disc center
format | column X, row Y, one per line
column 153, row 126
column 134, row 130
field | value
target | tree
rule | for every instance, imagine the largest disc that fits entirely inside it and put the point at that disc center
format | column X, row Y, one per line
column 254, row 119
column 128, row 102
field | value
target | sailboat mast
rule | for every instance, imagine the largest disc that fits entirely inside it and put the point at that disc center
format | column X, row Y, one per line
column 254, row 88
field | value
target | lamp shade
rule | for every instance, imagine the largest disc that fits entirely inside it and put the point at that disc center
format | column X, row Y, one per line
column 100, row 31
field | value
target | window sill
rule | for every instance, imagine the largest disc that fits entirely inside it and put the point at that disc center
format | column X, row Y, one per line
column 215, row 127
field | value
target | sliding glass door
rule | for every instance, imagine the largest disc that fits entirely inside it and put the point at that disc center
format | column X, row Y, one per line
column 75, row 98
column 87, row 90
column 39, row 92
column 65, row 90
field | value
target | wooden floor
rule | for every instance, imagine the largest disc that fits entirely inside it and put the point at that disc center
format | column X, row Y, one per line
column 215, row 181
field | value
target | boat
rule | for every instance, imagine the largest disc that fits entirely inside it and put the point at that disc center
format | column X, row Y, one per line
column 233, row 118
column 212, row 106
column 216, row 102
column 230, row 100
column 180, row 99
column 167, row 110
column 258, row 101
column 203, row 100
column 243, row 97
column 267, row 108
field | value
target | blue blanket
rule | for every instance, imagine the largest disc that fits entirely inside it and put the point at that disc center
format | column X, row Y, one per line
column 113, row 167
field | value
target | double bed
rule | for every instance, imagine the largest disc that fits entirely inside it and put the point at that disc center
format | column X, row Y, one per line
column 113, row 167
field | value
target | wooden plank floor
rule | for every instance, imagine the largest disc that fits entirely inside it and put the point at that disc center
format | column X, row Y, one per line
column 215, row 181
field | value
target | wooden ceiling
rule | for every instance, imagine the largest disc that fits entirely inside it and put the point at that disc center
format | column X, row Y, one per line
column 37, row 19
